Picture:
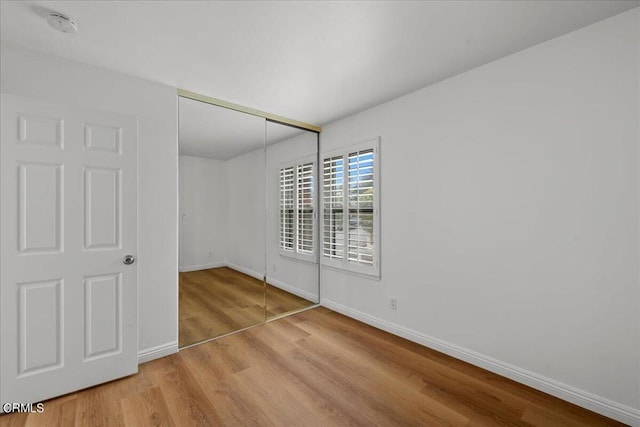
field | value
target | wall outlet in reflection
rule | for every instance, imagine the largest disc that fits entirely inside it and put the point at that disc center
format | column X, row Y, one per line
column 274, row 267
column 393, row 303
column 209, row 254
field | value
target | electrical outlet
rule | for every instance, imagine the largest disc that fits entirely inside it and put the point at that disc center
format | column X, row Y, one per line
column 209, row 254
column 274, row 267
column 393, row 303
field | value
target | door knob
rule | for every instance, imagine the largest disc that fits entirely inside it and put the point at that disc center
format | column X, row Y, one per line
column 128, row 260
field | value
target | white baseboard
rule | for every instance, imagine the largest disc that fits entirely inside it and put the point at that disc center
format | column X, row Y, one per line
column 606, row 407
column 274, row 282
column 157, row 352
column 184, row 269
column 248, row 272
column 309, row 296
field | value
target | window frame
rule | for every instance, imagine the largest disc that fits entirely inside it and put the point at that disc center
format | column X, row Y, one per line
column 294, row 253
column 343, row 263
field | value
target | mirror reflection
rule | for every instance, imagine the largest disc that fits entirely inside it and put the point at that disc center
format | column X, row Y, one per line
column 292, row 219
column 248, row 220
column 222, row 221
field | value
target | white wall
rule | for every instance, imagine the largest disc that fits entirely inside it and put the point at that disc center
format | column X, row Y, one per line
column 510, row 217
column 60, row 81
column 246, row 190
column 203, row 213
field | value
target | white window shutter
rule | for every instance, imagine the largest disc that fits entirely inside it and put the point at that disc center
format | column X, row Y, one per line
column 305, row 208
column 287, row 209
column 361, row 237
column 350, row 209
column 333, row 206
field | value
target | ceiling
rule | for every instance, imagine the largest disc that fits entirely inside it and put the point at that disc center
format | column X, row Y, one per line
column 218, row 133
column 307, row 60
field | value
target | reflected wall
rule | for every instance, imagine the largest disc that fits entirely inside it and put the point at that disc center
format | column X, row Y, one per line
column 222, row 226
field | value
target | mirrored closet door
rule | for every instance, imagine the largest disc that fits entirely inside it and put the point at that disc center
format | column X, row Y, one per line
column 292, row 219
column 248, row 196
column 222, row 221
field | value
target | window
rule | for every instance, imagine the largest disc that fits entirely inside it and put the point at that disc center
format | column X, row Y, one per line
column 287, row 208
column 297, row 209
column 304, row 208
column 350, row 198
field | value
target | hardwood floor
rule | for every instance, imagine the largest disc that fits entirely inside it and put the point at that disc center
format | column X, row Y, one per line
column 280, row 302
column 315, row 368
column 217, row 301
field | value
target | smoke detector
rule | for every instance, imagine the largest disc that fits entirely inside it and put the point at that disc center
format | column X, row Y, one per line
column 62, row 23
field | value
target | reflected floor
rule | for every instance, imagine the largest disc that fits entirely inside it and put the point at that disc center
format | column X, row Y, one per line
column 218, row 301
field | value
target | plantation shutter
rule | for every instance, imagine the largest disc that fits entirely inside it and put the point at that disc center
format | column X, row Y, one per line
column 287, row 209
column 333, row 201
column 360, row 200
column 305, row 202
column 350, row 204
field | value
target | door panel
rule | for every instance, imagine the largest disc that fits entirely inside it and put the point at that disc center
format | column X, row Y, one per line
column 103, row 320
column 40, row 326
column 68, row 185
column 40, row 130
column 102, row 194
column 40, row 208
column 222, row 227
column 292, row 220
column 102, row 138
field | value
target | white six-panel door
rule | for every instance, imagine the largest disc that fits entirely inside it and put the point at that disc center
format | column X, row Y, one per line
column 68, row 188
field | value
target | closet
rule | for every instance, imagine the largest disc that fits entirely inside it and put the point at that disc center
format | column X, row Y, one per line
column 248, row 200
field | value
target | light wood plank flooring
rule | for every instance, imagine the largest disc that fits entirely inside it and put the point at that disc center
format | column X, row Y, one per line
column 217, row 301
column 281, row 302
column 316, row 368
